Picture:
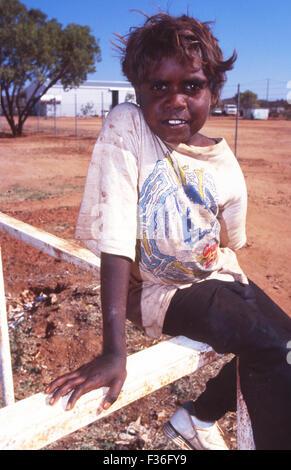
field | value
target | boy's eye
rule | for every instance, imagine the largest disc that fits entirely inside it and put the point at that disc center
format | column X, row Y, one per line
column 159, row 86
column 194, row 86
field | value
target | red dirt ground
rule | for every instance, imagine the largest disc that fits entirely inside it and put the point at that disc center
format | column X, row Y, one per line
column 42, row 183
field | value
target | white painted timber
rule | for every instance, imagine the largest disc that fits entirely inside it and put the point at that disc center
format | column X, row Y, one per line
column 7, row 387
column 32, row 423
column 54, row 246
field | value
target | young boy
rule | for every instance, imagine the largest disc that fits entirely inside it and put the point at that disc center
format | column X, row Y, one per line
column 165, row 207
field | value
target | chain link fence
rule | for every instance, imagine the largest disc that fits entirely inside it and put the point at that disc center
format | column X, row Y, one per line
column 76, row 126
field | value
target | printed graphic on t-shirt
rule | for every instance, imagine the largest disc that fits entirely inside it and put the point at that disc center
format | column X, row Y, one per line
column 177, row 215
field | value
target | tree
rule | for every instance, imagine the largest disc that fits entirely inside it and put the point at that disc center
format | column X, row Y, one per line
column 36, row 50
column 130, row 98
column 88, row 109
column 248, row 99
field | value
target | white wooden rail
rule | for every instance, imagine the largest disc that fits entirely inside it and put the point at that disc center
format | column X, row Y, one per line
column 47, row 243
column 32, row 424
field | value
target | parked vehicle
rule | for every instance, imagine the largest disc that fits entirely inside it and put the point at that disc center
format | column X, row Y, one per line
column 230, row 109
column 216, row 111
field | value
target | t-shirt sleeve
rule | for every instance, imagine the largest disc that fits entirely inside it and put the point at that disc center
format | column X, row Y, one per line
column 107, row 219
column 232, row 215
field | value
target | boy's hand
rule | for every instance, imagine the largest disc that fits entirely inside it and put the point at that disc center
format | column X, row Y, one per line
column 108, row 370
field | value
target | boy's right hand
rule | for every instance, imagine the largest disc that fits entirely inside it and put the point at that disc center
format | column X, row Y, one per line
column 108, row 370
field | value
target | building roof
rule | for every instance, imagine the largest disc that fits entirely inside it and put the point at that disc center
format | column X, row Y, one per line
column 98, row 83
column 108, row 84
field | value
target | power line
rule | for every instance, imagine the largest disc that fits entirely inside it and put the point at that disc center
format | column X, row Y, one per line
column 268, row 89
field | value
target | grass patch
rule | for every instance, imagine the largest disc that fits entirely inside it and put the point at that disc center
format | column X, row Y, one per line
column 18, row 193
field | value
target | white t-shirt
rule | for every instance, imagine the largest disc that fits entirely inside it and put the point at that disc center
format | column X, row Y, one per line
column 177, row 212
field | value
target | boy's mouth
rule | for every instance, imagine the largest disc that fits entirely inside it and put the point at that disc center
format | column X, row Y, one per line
column 176, row 122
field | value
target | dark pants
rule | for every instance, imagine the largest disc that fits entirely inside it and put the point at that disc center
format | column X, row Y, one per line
column 242, row 320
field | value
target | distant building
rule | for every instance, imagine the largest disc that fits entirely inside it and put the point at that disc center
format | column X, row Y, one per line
column 92, row 98
column 256, row 113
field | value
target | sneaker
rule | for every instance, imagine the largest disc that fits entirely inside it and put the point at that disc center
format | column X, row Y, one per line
column 182, row 430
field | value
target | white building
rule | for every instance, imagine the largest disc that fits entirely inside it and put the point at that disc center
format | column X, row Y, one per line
column 256, row 113
column 92, row 98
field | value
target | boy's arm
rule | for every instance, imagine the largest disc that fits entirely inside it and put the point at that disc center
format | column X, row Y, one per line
column 232, row 217
column 232, row 221
column 109, row 369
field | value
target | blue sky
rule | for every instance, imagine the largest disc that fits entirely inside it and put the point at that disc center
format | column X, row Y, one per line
column 260, row 31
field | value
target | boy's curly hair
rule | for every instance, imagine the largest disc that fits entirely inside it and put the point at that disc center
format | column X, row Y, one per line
column 184, row 37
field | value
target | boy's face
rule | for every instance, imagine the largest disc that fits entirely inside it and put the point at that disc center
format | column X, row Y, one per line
column 175, row 100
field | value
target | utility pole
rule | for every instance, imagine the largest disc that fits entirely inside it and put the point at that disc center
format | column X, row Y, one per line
column 267, row 92
column 76, row 116
column 38, row 116
column 236, row 121
column 102, row 106
column 55, row 115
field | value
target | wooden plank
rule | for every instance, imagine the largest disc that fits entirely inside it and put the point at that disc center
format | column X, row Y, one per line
column 54, row 246
column 32, row 423
column 7, row 387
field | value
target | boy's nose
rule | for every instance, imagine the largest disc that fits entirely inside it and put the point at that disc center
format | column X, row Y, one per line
column 176, row 101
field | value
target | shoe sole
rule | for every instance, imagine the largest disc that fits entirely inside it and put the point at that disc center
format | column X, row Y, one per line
column 177, row 438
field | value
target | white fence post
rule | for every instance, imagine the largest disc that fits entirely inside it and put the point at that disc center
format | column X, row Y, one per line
column 5, row 356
